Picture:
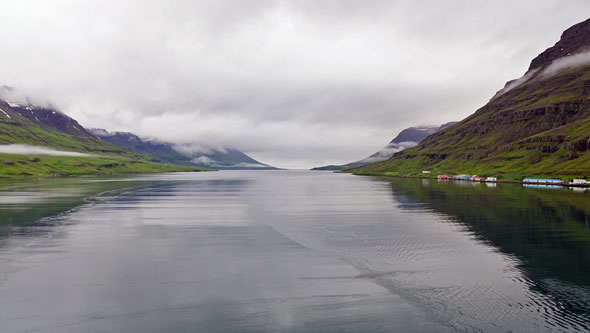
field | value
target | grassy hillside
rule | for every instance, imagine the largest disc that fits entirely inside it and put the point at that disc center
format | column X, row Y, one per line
column 26, row 165
column 540, row 128
column 105, row 158
column 12, row 165
column 406, row 138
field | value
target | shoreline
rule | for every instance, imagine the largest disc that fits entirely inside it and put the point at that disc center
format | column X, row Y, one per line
column 508, row 181
column 80, row 175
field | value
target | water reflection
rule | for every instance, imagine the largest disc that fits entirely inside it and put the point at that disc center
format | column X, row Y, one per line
column 543, row 186
column 547, row 230
column 184, row 253
column 291, row 251
column 26, row 201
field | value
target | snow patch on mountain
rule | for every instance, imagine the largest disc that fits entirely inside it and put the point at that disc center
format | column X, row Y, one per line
column 7, row 115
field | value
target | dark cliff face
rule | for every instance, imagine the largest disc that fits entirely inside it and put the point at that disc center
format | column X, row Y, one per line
column 574, row 40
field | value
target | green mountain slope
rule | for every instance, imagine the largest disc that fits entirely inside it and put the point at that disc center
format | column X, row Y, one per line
column 407, row 138
column 42, row 127
column 538, row 125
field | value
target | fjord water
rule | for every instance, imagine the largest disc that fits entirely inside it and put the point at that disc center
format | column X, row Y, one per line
column 291, row 251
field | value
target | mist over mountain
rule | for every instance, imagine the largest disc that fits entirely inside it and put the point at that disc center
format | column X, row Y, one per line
column 194, row 154
column 294, row 84
column 536, row 125
column 182, row 154
column 42, row 141
column 407, row 138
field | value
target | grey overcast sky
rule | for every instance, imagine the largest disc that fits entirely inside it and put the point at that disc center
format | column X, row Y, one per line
column 294, row 84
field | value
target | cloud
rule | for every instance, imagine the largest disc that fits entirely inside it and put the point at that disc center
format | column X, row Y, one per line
column 203, row 160
column 518, row 82
column 294, row 83
column 18, row 149
column 388, row 151
column 194, row 149
column 560, row 64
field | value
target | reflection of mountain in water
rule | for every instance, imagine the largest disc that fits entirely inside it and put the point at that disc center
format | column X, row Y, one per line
column 548, row 230
column 26, row 202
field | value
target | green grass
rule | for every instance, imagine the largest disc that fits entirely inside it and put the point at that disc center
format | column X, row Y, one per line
column 533, row 130
column 41, row 165
column 106, row 159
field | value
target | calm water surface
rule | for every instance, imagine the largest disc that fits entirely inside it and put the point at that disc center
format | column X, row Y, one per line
column 291, row 251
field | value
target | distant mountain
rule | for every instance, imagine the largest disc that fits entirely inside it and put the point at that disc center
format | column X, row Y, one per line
column 405, row 139
column 44, row 126
column 60, row 145
column 182, row 154
column 160, row 151
column 37, row 140
column 222, row 158
column 537, row 125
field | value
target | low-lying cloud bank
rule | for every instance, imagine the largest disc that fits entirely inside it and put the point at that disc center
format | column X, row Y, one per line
column 572, row 61
column 36, row 150
column 558, row 65
column 292, row 83
column 516, row 83
column 388, row 151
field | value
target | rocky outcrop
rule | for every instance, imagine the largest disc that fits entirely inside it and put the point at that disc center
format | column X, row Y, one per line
column 574, row 40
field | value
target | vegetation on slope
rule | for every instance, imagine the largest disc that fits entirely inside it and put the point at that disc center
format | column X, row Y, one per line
column 540, row 128
column 407, row 138
column 44, row 165
column 105, row 158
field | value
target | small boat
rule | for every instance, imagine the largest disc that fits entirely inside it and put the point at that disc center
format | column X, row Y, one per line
column 443, row 177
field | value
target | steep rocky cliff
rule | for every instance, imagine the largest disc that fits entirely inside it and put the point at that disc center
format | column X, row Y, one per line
column 536, row 125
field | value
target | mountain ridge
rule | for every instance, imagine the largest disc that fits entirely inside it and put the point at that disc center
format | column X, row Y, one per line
column 38, row 140
column 182, row 154
column 536, row 125
column 407, row 138
column 572, row 40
